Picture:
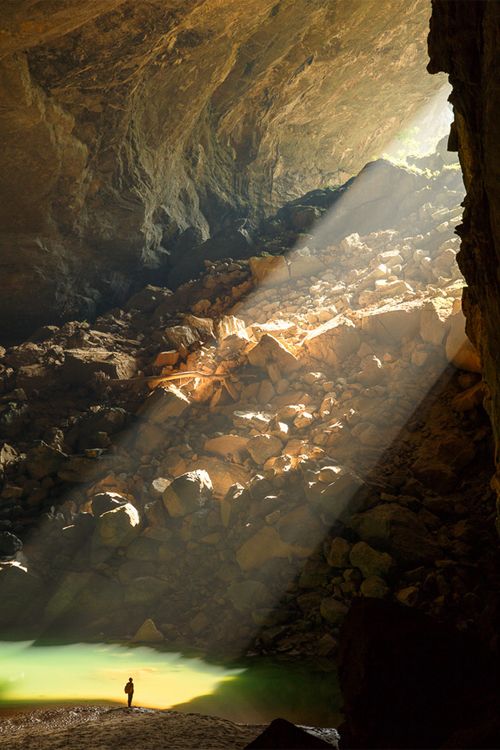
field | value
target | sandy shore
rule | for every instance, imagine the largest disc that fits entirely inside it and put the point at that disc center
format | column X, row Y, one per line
column 105, row 728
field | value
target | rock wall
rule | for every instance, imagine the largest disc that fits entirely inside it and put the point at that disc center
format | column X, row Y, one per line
column 463, row 42
column 125, row 122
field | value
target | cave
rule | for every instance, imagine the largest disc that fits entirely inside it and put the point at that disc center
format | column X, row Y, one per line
column 250, row 372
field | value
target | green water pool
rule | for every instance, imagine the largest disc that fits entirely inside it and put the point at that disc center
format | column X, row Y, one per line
column 252, row 692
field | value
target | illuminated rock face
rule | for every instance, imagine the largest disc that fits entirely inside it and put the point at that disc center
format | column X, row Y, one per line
column 125, row 122
column 474, row 69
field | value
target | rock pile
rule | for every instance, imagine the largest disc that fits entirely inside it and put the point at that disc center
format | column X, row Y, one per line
column 230, row 465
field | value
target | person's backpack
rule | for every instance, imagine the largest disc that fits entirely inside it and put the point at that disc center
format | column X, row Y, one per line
column 128, row 687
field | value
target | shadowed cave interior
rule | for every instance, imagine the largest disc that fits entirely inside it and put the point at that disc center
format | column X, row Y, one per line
column 249, row 376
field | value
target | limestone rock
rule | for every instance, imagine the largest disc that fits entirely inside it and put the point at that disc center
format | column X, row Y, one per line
column 262, row 447
column 104, row 501
column 398, row 530
column 269, row 270
column 165, row 402
column 269, row 351
column 333, row 341
column 81, row 364
column 230, row 325
column 181, row 337
column 44, row 460
column 370, row 562
column 333, row 611
column 229, row 446
column 148, row 633
column 338, row 554
column 374, row 587
column 434, row 320
column 223, row 474
column 188, row 493
column 392, row 323
column 118, row 527
column 264, row 545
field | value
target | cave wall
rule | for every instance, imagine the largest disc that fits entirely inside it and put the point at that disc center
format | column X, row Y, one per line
column 464, row 41
column 124, row 122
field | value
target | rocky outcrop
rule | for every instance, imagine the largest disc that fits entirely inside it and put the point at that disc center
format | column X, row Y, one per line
column 463, row 42
column 131, row 130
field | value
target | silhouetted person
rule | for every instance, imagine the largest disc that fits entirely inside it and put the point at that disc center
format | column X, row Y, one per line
column 129, row 689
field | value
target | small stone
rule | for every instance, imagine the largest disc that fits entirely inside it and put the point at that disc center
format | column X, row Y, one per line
column 408, row 595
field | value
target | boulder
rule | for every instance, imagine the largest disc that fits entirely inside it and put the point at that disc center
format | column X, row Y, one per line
column 148, row 298
column 333, row 341
column 188, row 493
column 370, row 561
column 434, row 320
column 165, row 402
column 269, row 351
column 333, row 611
column 338, row 554
column 230, row 325
column 338, row 499
column 81, row 364
column 229, row 446
column 398, row 530
column 181, row 338
column 262, row 447
column 266, row 545
column 222, row 473
column 374, row 587
column 269, row 270
column 104, row 501
column 43, row 460
column 118, row 527
column 148, row 633
column 392, row 323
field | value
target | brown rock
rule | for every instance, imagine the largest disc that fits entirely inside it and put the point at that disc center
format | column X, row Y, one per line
column 165, row 402
column 270, row 351
column 229, row 446
column 81, row 364
column 333, row 341
column 262, row 447
column 222, row 473
column 118, row 527
column 269, row 270
column 188, row 493
column 148, row 633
